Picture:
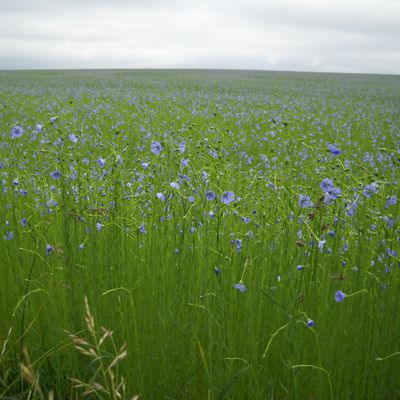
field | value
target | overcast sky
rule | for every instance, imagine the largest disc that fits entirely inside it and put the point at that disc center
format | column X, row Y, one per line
column 302, row 35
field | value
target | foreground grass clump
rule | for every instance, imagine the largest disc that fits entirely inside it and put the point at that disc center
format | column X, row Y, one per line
column 238, row 232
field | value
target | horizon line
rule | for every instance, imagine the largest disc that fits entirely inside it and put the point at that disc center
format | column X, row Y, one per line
column 193, row 69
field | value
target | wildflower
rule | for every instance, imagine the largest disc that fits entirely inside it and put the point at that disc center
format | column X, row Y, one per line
column 8, row 236
column 300, row 267
column 145, row 165
column 142, row 229
column 17, row 131
column 227, row 197
column 310, row 323
column 204, row 176
column 391, row 201
column 238, row 245
column 389, row 221
column 81, row 246
column 99, row 226
column 101, row 162
column 304, row 201
column 24, row 222
column 56, row 175
column 369, row 190
column 339, row 296
column 49, row 249
column 184, row 177
column 160, row 196
column 190, row 199
column 334, row 150
column 175, row 185
column 239, row 286
column 210, row 196
column 351, row 210
column 38, row 128
column 73, row 138
column 334, row 193
column 182, row 146
column 321, row 244
column 156, row 148
column 326, row 185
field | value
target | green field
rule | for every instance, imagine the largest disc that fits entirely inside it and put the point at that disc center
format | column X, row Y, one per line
column 237, row 231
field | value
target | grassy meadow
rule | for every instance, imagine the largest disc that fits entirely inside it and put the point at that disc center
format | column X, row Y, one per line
column 199, row 235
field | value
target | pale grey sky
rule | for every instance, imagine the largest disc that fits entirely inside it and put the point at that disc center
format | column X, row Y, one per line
column 308, row 35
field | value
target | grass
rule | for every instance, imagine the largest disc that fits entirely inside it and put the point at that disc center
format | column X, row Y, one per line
column 106, row 244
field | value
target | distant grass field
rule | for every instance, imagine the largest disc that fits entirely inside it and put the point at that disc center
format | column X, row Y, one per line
column 237, row 231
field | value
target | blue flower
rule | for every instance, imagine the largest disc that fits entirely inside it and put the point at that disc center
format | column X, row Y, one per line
column 238, row 245
column 304, row 201
column 175, row 185
column 369, row 190
column 217, row 271
column 300, row 267
column 142, row 229
column 334, row 193
column 310, row 323
column 73, row 138
column 101, row 162
column 24, row 222
column 391, row 201
column 351, row 210
column 339, row 296
column 334, row 150
column 210, row 196
column 182, row 146
column 227, row 197
column 8, row 236
column 160, row 196
column 326, row 185
column 56, row 175
column 17, row 131
column 156, row 148
column 49, row 249
column 391, row 253
column 239, row 286
column 99, row 226
column 145, row 165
